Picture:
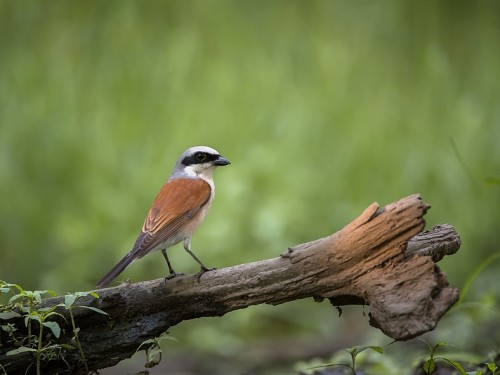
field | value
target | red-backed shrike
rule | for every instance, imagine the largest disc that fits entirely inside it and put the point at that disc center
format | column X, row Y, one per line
column 179, row 208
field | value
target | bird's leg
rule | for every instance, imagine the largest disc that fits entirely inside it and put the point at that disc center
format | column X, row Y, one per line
column 170, row 269
column 187, row 247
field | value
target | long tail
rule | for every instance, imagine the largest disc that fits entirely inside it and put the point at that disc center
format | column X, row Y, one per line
column 117, row 269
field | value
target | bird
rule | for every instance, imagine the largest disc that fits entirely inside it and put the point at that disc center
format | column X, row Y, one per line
column 177, row 211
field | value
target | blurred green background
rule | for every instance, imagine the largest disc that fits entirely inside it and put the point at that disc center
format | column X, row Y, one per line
column 322, row 107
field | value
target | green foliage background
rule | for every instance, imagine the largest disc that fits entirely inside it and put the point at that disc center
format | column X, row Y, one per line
column 322, row 106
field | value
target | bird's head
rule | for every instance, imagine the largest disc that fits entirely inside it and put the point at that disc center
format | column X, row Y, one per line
column 199, row 161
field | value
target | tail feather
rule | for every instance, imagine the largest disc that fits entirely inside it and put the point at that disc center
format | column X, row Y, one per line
column 116, row 270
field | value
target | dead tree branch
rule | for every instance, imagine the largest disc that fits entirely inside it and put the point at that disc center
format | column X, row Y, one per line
column 381, row 259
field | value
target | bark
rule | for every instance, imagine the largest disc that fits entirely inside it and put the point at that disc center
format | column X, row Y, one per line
column 381, row 259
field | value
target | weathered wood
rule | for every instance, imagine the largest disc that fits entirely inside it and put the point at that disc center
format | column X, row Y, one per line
column 381, row 259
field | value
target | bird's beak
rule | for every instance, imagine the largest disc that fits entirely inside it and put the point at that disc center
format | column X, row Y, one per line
column 221, row 161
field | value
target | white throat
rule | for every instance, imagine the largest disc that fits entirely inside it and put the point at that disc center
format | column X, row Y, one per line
column 202, row 171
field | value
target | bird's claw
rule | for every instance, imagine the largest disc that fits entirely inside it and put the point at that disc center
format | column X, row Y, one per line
column 202, row 271
column 172, row 275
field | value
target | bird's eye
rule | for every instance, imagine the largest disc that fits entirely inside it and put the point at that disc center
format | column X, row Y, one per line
column 200, row 156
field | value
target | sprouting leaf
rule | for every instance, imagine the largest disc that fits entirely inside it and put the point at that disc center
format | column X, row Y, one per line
column 377, row 349
column 146, row 342
column 38, row 295
column 9, row 287
column 429, row 366
column 54, row 327
column 9, row 327
column 441, row 343
column 16, row 297
column 33, row 316
column 94, row 309
column 95, row 295
column 153, row 357
column 166, row 336
column 455, row 364
column 69, row 300
column 85, row 294
column 354, row 351
column 45, row 311
column 22, row 349
column 492, row 367
column 9, row 315
column 54, row 313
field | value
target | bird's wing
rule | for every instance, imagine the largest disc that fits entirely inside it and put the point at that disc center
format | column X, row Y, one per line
column 177, row 202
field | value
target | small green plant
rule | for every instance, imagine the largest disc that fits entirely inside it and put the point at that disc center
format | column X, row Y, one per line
column 25, row 303
column 491, row 368
column 154, row 350
column 354, row 352
column 429, row 365
column 69, row 304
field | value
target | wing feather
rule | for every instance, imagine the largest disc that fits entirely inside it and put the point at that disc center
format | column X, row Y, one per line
column 177, row 202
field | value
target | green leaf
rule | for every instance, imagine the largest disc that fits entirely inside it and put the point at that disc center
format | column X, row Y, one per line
column 146, row 342
column 22, row 349
column 492, row 367
column 354, row 351
column 95, row 295
column 54, row 313
column 9, row 315
column 441, row 343
column 33, row 316
column 94, row 309
column 153, row 357
column 455, row 364
column 16, row 297
column 9, row 287
column 377, row 349
column 69, row 300
column 46, row 311
column 429, row 366
column 54, row 327
column 38, row 295
column 164, row 336
column 9, row 327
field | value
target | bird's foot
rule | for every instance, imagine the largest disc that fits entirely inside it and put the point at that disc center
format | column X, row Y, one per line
column 202, row 271
column 173, row 274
